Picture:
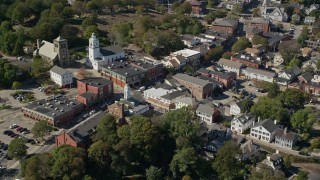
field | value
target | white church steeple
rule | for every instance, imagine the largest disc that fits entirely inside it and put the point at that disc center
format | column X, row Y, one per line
column 94, row 49
column 126, row 92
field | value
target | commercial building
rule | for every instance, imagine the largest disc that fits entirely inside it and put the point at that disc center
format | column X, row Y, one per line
column 225, row 25
column 61, row 77
column 57, row 110
column 94, row 90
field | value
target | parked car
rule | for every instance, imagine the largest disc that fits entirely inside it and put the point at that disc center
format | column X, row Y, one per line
column 23, row 129
column 86, row 115
column 26, row 132
column 13, row 126
column 19, row 129
column 5, row 147
column 92, row 112
column 7, row 132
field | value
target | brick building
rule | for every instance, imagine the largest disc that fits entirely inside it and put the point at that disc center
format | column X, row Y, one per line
column 258, row 23
column 225, row 25
column 117, row 110
column 93, row 90
column 57, row 110
column 226, row 78
column 79, row 136
column 154, row 69
column 198, row 7
column 199, row 88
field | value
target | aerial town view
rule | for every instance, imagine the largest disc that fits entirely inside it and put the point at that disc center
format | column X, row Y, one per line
column 159, row 89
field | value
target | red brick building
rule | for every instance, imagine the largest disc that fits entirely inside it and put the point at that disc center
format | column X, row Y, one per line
column 247, row 60
column 260, row 24
column 225, row 25
column 56, row 110
column 93, row 90
column 226, row 78
column 197, row 7
column 79, row 136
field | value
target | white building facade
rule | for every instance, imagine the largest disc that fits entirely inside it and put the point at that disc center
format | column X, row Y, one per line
column 259, row 74
column 264, row 130
column 242, row 123
column 61, row 77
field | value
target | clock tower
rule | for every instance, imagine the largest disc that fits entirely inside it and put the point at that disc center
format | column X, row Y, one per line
column 94, row 49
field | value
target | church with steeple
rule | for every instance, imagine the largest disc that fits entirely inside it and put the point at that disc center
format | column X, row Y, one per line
column 56, row 53
column 98, row 57
column 273, row 12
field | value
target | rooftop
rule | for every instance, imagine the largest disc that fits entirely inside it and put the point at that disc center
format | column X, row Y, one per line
column 53, row 106
column 173, row 95
column 59, row 70
column 267, row 73
column 111, row 50
column 186, row 53
column 191, row 79
column 282, row 133
column 96, row 81
column 267, row 124
column 206, row 109
column 123, row 69
column 225, row 22
column 229, row 63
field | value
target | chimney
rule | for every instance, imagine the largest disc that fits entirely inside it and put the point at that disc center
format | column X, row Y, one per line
column 285, row 130
column 268, row 158
column 259, row 119
column 277, row 151
column 38, row 43
column 275, row 121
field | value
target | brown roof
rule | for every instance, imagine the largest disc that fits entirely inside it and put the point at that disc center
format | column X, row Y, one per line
column 252, row 50
column 306, row 51
column 174, row 63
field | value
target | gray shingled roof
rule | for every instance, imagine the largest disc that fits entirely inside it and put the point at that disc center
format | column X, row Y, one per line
column 285, row 135
column 267, row 124
column 205, row 108
column 111, row 50
column 225, row 22
column 261, row 72
column 307, row 76
column 173, row 95
column 229, row 63
column 191, row 79
column 59, row 70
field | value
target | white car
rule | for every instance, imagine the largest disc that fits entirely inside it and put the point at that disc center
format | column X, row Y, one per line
column 13, row 126
column 92, row 112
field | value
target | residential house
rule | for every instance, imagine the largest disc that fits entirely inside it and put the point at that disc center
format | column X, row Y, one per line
column 207, row 113
column 80, row 135
column 55, row 53
column 190, row 40
column 288, row 75
column 182, row 58
column 311, row 8
column 249, row 150
column 313, row 87
column 247, row 60
column 273, row 161
column 297, row 8
column 309, row 20
column 236, row 108
column 274, row 39
column 225, row 25
column 216, row 139
column 230, row 66
column 254, row 51
column 56, row 110
column 285, row 139
column 305, row 78
column 312, row 63
column 251, row 32
column 242, row 123
column 99, row 57
column 274, row 13
column 61, row 77
column 198, row 7
column 259, row 74
column 94, row 90
column 185, row 102
column 306, row 52
column 264, row 130
column 199, row 88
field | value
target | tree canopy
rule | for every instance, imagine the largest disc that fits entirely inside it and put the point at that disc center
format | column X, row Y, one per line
column 302, row 120
column 17, row 148
column 241, row 44
column 41, row 129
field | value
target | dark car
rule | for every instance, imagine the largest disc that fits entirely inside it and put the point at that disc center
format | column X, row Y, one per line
column 5, row 147
column 12, row 135
column 19, row 128
column 7, row 132
column 23, row 129
column 1, row 145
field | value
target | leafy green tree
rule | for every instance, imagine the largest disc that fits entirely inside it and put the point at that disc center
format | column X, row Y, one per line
column 265, row 172
column 214, row 54
column 7, row 73
column 37, row 167
column 184, row 8
column 289, row 49
column 41, row 129
column 107, row 130
column 17, row 148
column 227, row 55
column 40, row 68
column 154, row 173
column 302, row 175
column 5, row 26
column 295, row 62
column 121, row 33
column 302, row 120
column 256, row 12
column 283, row 115
column 68, row 162
column 79, row 7
column 315, row 144
column 315, row 13
column 183, row 162
column 247, row 104
column 237, row 9
column 226, row 163
column 67, row 13
column 302, row 38
column 273, row 90
column 215, row 14
column 293, row 98
column 20, row 12
column 99, row 153
column 259, row 40
column 266, row 108
column 70, row 33
column 88, row 21
column 16, row 85
column 241, row 44
column 91, row 29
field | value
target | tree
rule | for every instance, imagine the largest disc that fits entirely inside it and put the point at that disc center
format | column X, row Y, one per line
column 256, row 12
column 265, row 172
column 20, row 12
column 295, row 62
column 99, row 153
column 247, row 104
column 273, row 90
column 214, row 54
column 78, row 7
column 288, row 50
column 68, row 162
column 241, row 44
column 16, row 85
column 227, row 55
column 226, row 163
column 70, row 33
column 259, row 40
column 67, row 13
column 303, row 120
column 121, row 33
column 237, row 9
column 17, row 148
column 302, row 38
column 266, row 108
column 107, row 130
column 154, row 173
column 302, row 175
column 40, row 68
column 315, row 13
column 315, row 144
column 295, row 19
column 293, row 98
column 37, row 167
column 184, row 8
column 41, row 129
column 91, row 29
column 183, row 162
